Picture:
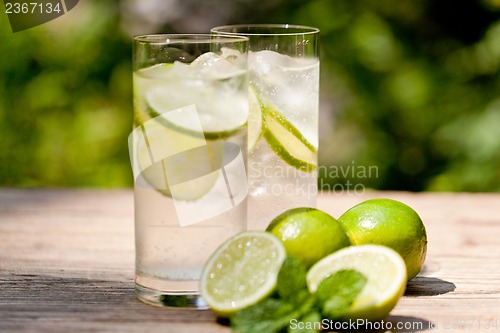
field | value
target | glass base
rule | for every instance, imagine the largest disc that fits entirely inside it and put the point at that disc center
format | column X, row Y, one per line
column 188, row 300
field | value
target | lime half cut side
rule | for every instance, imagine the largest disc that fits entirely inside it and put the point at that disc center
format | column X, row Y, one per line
column 384, row 269
column 288, row 142
column 242, row 271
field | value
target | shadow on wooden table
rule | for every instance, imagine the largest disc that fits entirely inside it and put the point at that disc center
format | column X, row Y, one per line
column 428, row 286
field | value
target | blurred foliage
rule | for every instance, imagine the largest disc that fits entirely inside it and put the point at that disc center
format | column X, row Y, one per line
column 410, row 87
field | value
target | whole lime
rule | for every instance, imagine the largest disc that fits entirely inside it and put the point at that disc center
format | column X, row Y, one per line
column 391, row 223
column 309, row 234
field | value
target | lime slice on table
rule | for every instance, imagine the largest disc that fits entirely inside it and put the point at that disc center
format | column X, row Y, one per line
column 242, row 271
column 384, row 269
column 198, row 163
column 288, row 142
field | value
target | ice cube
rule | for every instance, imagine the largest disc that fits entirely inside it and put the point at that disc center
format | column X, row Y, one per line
column 213, row 66
column 264, row 62
column 182, row 70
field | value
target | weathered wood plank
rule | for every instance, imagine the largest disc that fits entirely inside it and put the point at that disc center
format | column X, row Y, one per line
column 67, row 260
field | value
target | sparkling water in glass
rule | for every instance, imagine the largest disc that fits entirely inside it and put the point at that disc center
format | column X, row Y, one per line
column 283, row 121
column 188, row 155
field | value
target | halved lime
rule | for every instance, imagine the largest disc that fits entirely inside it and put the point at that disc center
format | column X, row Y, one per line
column 167, row 157
column 255, row 120
column 242, row 271
column 386, row 278
column 288, row 142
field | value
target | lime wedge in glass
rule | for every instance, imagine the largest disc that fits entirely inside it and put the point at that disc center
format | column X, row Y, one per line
column 288, row 142
column 255, row 121
column 384, row 269
column 242, row 271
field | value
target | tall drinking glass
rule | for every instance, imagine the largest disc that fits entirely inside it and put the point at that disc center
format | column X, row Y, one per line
column 188, row 155
column 283, row 122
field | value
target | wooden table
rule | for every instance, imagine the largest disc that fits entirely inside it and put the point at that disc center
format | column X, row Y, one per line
column 67, row 264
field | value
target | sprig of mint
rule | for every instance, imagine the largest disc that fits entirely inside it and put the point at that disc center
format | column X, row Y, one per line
column 337, row 292
column 293, row 301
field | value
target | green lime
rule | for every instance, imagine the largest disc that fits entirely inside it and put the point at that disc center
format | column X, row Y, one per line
column 308, row 234
column 242, row 271
column 386, row 278
column 288, row 142
column 391, row 223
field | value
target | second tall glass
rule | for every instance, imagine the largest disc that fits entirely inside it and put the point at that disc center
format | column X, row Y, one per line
column 283, row 121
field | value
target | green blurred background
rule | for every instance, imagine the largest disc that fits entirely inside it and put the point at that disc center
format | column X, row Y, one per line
column 409, row 87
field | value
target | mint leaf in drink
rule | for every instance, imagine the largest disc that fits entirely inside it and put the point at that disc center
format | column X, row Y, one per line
column 291, row 280
column 336, row 293
column 270, row 315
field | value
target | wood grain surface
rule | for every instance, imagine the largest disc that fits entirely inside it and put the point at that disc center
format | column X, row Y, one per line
column 67, row 265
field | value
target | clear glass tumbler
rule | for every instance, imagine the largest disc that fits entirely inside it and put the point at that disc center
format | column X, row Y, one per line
column 188, row 155
column 283, row 122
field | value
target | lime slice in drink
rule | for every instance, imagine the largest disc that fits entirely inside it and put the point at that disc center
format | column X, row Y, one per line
column 384, row 269
column 220, row 117
column 287, row 141
column 255, row 120
column 211, row 83
column 242, row 271
column 192, row 164
column 144, row 80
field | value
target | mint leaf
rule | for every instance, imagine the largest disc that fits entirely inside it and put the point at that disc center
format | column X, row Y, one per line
column 337, row 292
column 291, row 303
column 270, row 315
column 291, row 279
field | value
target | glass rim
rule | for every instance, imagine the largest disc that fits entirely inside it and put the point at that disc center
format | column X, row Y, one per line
column 189, row 38
column 300, row 29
